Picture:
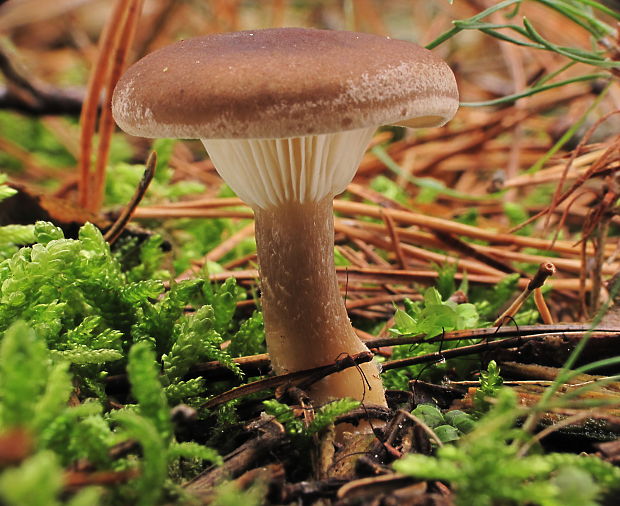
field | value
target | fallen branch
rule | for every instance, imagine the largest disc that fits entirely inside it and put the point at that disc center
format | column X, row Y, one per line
column 257, row 365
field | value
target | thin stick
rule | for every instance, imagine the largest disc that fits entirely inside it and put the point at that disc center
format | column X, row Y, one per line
column 426, row 428
column 389, row 223
column 383, row 276
column 434, row 223
column 229, row 244
column 554, row 173
column 260, row 365
column 163, row 212
column 119, row 225
column 193, row 209
column 306, row 376
column 457, row 352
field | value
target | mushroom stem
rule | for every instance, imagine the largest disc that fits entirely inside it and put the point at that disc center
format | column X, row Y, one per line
column 306, row 322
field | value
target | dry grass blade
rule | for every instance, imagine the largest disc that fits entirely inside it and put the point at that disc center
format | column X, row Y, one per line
column 396, row 245
column 114, row 43
column 609, row 157
column 88, row 118
column 106, row 122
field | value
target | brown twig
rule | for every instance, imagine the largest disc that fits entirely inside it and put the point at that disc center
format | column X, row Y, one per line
column 461, row 351
column 259, row 365
column 48, row 102
column 76, row 480
column 229, row 244
column 307, row 377
column 121, row 222
column 585, row 139
column 211, row 208
column 608, row 156
column 396, row 245
column 392, row 276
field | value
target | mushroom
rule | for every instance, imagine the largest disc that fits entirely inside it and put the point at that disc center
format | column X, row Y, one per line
column 285, row 115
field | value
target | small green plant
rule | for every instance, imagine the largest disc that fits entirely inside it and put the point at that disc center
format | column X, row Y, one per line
column 428, row 318
column 89, row 311
column 434, row 316
column 484, row 466
column 35, row 387
column 490, row 385
column 12, row 236
column 34, row 395
column 448, row 426
column 38, row 482
column 90, row 314
column 149, row 423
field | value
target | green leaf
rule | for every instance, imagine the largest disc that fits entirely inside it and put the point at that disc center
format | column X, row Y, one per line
column 467, row 316
column 80, row 354
column 405, row 324
column 250, row 338
column 58, row 433
column 223, row 299
column 437, row 319
column 460, row 420
column 195, row 339
column 429, row 414
column 432, row 297
column 424, row 467
column 54, row 400
column 17, row 234
column 484, row 467
column 46, row 232
column 181, row 390
column 91, row 439
column 447, row 433
column 285, row 415
column 490, row 386
column 89, row 496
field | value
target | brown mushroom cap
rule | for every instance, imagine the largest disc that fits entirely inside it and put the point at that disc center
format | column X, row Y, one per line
column 283, row 82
